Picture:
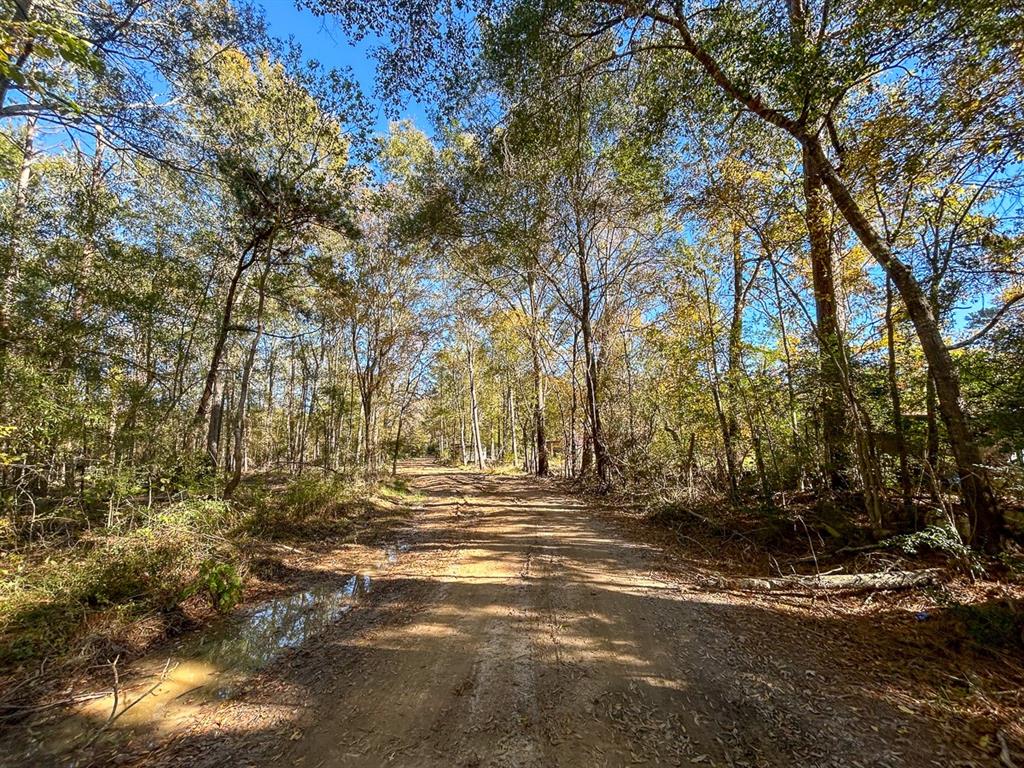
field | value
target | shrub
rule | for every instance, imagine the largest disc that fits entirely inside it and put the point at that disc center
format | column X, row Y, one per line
column 309, row 507
column 222, row 583
column 937, row 538
column 152, row 568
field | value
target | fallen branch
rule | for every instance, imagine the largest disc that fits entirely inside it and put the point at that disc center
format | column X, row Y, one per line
column 849, row 583
column 114, row 713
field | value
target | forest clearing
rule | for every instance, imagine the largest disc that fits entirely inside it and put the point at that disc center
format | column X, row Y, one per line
column 511, row 383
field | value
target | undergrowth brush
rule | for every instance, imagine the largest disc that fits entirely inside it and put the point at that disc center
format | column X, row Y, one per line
column 88, row 591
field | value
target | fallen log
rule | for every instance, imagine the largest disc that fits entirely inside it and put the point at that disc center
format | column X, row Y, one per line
column 848, row 583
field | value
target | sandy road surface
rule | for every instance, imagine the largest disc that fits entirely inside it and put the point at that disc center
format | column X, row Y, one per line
column 519, row 629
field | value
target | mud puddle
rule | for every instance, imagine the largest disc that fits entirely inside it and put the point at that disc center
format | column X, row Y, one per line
column 204, row 666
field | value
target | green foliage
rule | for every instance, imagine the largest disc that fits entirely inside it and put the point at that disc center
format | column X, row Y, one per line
column 935, row 538
column 156, row 559
column 306, row 508
column 44, row 604
column 938, row 538
column 222, row 582
column 55, row 45
column 202, row 515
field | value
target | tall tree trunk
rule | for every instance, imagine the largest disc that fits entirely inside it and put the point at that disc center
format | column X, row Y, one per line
column 513, row 422
column 213, row 425
column 474, row 411
column 243, row 392
column 539, row 427
column 830, row 341
column 762, row 472
column 572, row 455
column 894, row 397
column 462, row 427
column 601, row 459
column 734, row 372
column 689, row 465
column 731, row 467
column 790, row 389
column 398, row 441
column 90, row 251
column 245, row 260
column 12, row 251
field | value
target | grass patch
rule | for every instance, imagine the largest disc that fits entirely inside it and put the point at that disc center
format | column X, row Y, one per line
column 49, row 595
column 97, row 591
column 397, row 488
column 306, row 508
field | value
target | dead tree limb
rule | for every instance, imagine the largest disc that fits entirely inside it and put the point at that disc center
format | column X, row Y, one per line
column 844, row 583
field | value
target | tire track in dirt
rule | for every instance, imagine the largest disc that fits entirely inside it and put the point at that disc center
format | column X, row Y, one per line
column 520, row 630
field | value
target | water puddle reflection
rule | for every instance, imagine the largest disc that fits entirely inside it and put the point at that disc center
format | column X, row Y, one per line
column 392, row 551
column 208, row 664
column 281, row 623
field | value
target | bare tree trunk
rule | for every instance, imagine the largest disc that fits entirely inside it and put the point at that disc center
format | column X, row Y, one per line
column 790, row 389
column 398, row 441
column 734, row 372
column 762, row 473
column 12, row 256
column 830, row 340
column 213, row 425
column 539, row 427
column 90, row 249
column 731, row 468
column 689, row 465
column 245, row 260
column 462, row 427
column 894, row 396
column 474, row 411
column 572, row 455
column 513, row 421
column 601, row 458
column 243, row 393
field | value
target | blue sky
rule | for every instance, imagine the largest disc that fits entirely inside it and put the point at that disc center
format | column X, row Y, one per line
column 322, row 38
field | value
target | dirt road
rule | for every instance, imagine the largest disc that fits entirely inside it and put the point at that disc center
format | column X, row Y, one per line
column 519, row 629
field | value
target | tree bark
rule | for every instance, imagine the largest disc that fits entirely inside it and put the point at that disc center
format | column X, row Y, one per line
column 539, row 427
column 12, row 255
column 513, row 421
column 846, row 583
column 716, row 394
column 213, row 425
column 976, row 484
column 830, row 341
column 734, row 372
column 474, row 411
column 243, row 393
column 601, row 459
column 245, row 260
column 894, row 398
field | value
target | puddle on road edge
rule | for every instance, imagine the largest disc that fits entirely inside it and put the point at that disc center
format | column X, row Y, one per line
column 209, row 664
column 392, row 551
column 257, row 638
